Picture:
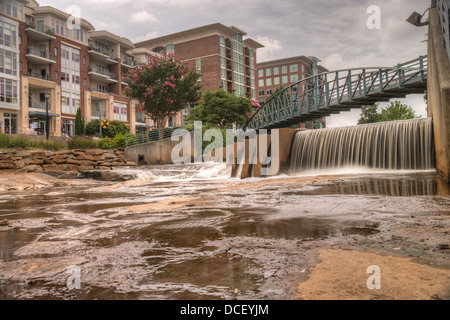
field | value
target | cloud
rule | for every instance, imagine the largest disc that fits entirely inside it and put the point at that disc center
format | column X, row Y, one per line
column 143, row 17
column 270, row 50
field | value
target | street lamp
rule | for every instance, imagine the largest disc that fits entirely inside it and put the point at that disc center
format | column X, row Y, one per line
column 47, row 118
column 416, row 19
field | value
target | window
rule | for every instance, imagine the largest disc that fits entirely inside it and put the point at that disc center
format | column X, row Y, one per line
column 261, row 83
column 260, row 73
column 120, row 111
column 12, row 8
column 284, row 69
column 84, row 60
column 56, row 75
column 268, row 82
column 10, row 122
column 60, row 27
column 276, row 71
column 68, row 128
column 276, row 81
column 170, row 49
column 222, row 41
column 284, row 79
column 8, row 62
column 261, row 92
column 268, row 72
column 8, row 35
column 56, row 52
column 80, row 35
column 269, row 92
column 293, row 68
column 198, row 66
column 294, row 78
column 9, row 91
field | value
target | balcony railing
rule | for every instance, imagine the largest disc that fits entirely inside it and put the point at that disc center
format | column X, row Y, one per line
column 41, row 28
column 101, row 51
column 140, row 120
column 100, row 90
column 103, row 72
column 37, row 105
column 128, row 61
column 41, row 53
column 98, row 113
column 39, row 76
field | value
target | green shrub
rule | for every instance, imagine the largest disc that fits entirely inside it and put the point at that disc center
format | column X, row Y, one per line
column 106, row 143
column 115, row 127
column 120, row 140
column 82, row 143
column 4, row 141
column 19, row 143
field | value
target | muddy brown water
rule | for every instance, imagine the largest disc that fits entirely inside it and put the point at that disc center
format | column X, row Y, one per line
column 227, row 249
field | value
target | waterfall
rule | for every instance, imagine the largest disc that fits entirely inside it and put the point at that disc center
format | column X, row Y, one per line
column 397, row 145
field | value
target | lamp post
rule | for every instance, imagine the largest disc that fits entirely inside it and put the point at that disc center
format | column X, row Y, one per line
column 416, row 19
column 47, row 118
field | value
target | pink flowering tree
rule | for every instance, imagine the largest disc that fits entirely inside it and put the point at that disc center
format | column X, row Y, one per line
column 163, row 87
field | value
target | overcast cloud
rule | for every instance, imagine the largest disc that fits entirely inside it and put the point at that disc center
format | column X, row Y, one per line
column 334, row 31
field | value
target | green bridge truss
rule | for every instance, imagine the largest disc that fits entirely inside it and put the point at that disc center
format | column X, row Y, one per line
column 332, row 92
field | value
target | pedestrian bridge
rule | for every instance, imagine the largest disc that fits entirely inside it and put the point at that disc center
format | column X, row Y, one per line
column 332, row 92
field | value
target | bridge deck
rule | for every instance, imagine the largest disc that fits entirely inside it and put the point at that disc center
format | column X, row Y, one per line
column 333, row 92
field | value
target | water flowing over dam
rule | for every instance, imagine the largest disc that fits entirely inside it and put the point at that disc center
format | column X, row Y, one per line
column 398, row 145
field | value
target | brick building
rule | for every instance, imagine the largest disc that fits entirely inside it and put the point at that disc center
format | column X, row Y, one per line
column 274, row 74
column 44, row 61
column 219, row 53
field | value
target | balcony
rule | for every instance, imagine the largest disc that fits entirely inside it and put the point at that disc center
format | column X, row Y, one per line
column 37, row 105
column 98, row 113
column 127, row 63
column 102, row 56
column 39, row 32
column 102, row 75
column 40, row 57
column 39, row 76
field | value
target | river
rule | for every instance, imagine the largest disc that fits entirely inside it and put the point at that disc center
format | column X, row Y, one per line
column 191, row 232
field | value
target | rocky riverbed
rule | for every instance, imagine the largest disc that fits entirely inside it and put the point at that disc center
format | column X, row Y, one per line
column 190, row 232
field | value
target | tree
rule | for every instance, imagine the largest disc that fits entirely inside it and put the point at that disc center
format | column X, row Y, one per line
column 394, row 112
column 79, row 124
column 369, row 114
column 398, row 111
column 222, row 108
column 163, row 86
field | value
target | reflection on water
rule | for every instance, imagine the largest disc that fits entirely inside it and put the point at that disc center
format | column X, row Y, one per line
column 396, row 185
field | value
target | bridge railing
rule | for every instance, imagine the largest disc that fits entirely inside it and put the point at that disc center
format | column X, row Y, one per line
column 334, row 89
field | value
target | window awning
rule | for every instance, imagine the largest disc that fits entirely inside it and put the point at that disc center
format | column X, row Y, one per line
column 143, row 126
column 43, row 114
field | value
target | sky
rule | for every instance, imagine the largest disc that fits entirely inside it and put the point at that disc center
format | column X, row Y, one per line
column 335, row 31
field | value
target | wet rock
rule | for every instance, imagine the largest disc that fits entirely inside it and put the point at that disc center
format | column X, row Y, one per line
column 32, row 168
column 5, row 223
column 7, row 165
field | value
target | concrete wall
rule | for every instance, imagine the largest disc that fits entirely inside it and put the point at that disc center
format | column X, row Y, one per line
column 153, row 153
column 248, row 170
column 439, row 94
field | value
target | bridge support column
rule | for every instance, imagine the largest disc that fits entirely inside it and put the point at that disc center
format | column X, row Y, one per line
column 439, row 94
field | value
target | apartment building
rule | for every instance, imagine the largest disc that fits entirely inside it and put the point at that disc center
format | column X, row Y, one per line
column 220, row 54
column 274, row 74
column 47, row 63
